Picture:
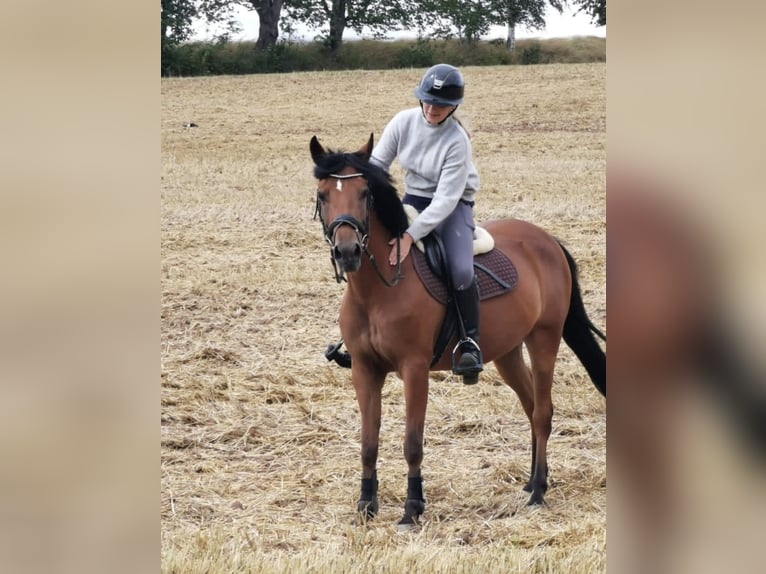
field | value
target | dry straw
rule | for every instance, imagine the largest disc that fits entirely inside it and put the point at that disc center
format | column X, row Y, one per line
column 260, row 441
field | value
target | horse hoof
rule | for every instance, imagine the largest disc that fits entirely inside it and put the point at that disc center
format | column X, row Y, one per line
column 536, row 500
column 406, row 524
column 367, row 508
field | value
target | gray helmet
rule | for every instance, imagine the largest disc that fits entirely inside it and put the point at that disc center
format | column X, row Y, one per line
column 441, row 85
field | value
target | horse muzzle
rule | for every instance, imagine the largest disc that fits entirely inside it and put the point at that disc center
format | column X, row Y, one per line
column 347, row 237
column 348, row 256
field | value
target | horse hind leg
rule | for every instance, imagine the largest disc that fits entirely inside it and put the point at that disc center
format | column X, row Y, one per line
column 517, row 375
column 543, row 346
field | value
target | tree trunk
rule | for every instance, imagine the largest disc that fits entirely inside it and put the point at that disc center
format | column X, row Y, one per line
column 268, row 12
column 510, row 41
column 337, row 24
column 164, row 18
column 163, row 34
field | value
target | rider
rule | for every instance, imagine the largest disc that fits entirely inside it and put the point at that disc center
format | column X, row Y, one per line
column 441, row 182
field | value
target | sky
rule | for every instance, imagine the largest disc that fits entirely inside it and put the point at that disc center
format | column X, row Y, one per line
column 557, row 26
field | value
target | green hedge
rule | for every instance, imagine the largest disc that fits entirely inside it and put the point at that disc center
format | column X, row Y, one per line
column 229, row 58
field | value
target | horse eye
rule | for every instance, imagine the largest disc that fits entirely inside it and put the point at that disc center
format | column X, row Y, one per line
column 322, row 195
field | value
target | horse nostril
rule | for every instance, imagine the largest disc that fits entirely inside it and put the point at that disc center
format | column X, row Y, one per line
column 348, row 255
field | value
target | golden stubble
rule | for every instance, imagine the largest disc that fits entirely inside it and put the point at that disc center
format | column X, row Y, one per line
column 260, row 448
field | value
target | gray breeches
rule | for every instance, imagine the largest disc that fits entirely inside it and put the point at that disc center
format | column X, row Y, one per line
column 456, row 233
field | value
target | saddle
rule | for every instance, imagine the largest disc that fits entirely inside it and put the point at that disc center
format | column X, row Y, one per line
column 495, row 274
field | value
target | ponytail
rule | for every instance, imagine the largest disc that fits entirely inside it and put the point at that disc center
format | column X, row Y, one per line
column 460, row 123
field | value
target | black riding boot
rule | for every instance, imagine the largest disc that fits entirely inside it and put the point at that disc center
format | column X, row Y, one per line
column 470, row 363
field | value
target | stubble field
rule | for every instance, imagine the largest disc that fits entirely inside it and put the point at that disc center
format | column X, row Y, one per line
column 260, row 441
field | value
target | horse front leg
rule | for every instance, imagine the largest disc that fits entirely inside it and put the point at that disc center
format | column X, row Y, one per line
column 368, row 384
column 416, row 399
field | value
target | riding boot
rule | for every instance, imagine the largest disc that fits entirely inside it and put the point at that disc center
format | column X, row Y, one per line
column 470, row 363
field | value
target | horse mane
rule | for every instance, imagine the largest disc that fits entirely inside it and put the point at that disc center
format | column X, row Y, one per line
column 385, row 199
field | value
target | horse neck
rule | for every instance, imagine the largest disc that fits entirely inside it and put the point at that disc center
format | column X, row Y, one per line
column 366, row 283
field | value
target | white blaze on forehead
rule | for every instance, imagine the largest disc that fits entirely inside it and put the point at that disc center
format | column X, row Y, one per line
column 339, row 184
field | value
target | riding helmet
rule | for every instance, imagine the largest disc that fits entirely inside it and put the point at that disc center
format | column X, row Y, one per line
column 441, row 85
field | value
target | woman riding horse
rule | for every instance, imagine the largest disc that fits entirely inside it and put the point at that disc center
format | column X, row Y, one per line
column 389, row 321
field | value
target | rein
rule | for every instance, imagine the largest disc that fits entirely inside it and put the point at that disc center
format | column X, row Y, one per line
column 361, row 230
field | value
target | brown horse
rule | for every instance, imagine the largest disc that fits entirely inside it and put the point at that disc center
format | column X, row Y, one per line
column 389, row 321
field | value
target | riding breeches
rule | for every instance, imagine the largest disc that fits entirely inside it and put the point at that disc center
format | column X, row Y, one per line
column 456, row 233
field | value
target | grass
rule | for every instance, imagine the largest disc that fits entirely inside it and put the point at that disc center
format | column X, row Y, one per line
column 259, row 434
column 206, row 58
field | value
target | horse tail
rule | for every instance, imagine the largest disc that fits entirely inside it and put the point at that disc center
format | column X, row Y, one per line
column 579, row 331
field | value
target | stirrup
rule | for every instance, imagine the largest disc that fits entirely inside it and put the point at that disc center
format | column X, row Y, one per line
column 468, row 348
column 333, row 353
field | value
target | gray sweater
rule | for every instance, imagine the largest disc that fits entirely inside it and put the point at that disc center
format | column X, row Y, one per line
column 437, row 163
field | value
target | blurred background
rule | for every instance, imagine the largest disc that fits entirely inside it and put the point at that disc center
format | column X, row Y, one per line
column 685, row 284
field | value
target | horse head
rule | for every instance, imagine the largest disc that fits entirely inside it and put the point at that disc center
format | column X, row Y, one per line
column 343, row 203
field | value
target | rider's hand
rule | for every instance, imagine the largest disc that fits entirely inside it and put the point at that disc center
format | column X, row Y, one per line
column 405, row 243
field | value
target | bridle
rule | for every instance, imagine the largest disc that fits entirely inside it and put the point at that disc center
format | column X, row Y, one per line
column 361, row 230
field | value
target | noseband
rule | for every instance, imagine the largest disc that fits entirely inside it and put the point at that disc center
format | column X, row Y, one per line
column 361, row 230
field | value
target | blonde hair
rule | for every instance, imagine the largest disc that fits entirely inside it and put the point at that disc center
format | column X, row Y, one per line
column 462, row 123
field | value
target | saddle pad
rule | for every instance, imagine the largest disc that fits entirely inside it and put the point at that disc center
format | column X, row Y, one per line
column 496, row 261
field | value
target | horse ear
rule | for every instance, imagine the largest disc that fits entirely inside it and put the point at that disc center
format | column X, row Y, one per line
column 366, row 150
column 317, row 151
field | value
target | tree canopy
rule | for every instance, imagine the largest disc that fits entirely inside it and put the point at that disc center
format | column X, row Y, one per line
column 471, row 19
column 178, row 16
column 466, row 19
column 596, row 9
column 375, row 17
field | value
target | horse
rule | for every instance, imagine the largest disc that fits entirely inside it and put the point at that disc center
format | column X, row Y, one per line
column 389, row 322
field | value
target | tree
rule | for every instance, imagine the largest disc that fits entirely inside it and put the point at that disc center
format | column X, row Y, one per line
column 374, row 16
column 596, row 9
column 467, row 19
column 179, row 15
column 176, row 17
column 472, row 18
column 527, row 13
column 269, row 13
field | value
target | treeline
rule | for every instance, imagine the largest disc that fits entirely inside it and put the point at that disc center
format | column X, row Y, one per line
column 231, row 58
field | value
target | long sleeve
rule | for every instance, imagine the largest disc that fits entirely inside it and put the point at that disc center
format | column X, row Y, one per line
column 449, row 190
column 436, row 161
